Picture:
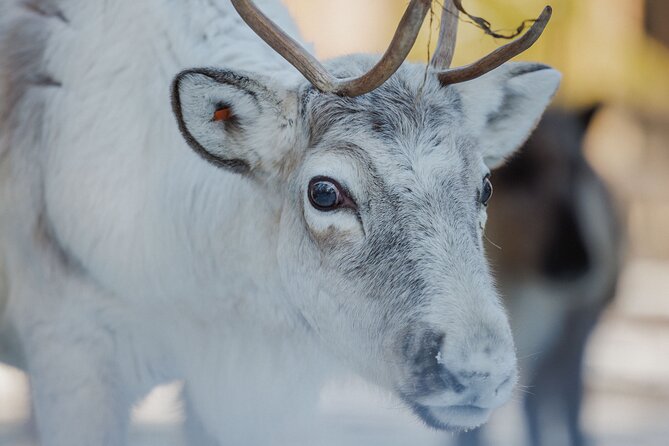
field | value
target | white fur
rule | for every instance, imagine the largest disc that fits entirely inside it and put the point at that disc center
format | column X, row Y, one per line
column 131, row 261
column 482, row 97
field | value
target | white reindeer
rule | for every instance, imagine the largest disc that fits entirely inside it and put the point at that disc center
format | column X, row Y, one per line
column 337, row 221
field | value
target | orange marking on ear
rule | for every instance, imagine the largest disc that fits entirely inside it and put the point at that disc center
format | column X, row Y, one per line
column 223, row 114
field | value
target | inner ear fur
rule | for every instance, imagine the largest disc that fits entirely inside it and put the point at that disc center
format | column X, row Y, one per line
column 220, row 115
column 505, row 105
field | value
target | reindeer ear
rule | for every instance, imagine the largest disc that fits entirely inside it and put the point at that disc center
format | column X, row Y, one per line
column 505, row 105
column 234, row 120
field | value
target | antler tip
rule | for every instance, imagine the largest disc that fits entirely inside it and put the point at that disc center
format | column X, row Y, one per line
column 546, row 13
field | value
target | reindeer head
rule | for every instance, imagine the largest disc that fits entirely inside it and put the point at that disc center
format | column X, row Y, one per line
column 382, row 183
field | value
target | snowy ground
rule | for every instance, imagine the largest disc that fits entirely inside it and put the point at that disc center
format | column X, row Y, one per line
column 627, row 404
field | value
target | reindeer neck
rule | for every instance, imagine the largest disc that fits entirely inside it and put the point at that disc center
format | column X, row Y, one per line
column 174, row 226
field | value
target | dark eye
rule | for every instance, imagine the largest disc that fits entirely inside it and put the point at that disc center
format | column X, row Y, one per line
column 486, row 191
column 324, row 193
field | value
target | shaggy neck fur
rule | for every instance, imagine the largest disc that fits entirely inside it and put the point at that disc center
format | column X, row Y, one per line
column 90, row 55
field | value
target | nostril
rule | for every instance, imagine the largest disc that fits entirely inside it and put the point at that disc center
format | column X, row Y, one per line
column 503, row 384
column 451, row 382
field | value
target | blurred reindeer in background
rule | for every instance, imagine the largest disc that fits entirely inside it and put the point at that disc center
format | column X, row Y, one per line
column 558, row 262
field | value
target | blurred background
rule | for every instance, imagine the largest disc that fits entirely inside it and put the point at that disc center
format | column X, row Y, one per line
column 611, row 52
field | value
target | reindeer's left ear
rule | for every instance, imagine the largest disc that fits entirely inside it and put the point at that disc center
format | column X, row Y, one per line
column 238, row 121
column 505, row 105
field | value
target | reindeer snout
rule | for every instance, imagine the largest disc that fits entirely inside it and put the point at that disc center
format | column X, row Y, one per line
column 482, row 377
column 462, row 382
column 481, row 380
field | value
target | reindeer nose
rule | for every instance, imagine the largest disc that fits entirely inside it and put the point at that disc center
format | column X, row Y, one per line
column 480, row 387
column 482, row 377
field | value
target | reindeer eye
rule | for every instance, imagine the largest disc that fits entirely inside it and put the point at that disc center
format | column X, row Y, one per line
column 324, row 193
column 486, row 191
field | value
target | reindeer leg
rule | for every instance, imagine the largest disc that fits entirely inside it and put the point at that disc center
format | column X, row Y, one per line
column 78, row 392
column 196, row 433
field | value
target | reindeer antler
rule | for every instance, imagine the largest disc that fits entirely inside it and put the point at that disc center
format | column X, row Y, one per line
column 315, row 72
column 403, row 40
column 446, row 46
column 448, row 33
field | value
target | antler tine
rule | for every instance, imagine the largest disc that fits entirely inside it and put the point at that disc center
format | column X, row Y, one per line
column 398, row 50
column 315, row 72
column 286, row 46
column 448, row 32
column 499, row 56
